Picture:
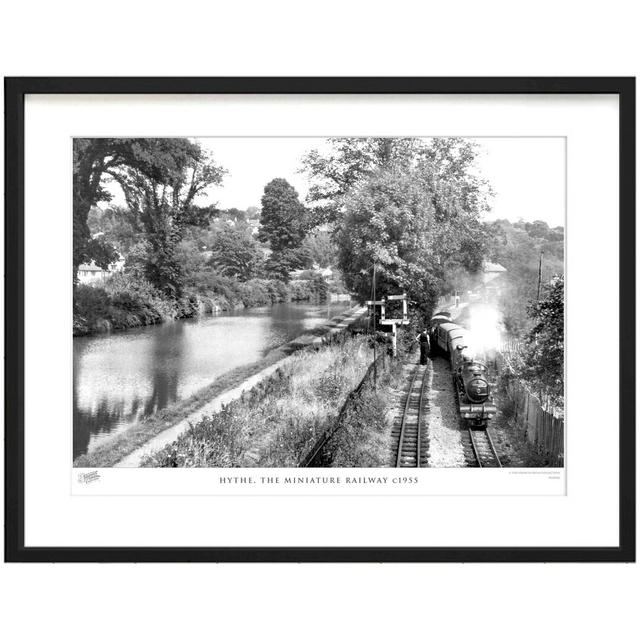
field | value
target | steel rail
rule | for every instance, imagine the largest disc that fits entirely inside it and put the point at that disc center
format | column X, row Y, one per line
column 473, row 446
column 404, row 417
column 419, row 434
column 493, row 449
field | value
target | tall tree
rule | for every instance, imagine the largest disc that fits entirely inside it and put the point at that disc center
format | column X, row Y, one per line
column 164, row 203
column 131, row 161
column 236, row 253
column 348, row 162
column 321, row 248
column 283, row 226
column 388, row 221
column 543, row 363
column 440, row 171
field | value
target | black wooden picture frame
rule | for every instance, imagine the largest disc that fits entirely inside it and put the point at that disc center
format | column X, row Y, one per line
column 15, row 91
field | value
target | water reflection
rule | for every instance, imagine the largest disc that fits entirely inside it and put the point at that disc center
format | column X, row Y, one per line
column 120, row 378
column 165, row 379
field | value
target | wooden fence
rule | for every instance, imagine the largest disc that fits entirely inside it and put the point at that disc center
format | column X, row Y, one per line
column 537, row 424
column 513, row 354
column 511, row 348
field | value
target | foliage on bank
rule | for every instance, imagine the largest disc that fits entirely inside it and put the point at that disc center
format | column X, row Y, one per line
column 542, row 363
column 126, row 301
column 277, row 423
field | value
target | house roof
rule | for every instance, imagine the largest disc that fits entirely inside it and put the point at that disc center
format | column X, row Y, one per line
column 89, row 267
column 493, row 267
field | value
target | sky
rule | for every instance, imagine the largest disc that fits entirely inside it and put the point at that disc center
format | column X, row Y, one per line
column 527, row 174
column 528, row 177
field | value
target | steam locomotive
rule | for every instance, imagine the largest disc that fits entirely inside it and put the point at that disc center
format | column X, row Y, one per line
column 469, row 374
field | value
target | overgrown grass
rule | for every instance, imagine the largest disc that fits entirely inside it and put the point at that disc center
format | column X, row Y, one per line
column 276, row 424
column 363, row 437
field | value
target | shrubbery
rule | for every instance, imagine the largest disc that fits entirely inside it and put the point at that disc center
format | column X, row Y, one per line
column 127, row 301
column 123, row 302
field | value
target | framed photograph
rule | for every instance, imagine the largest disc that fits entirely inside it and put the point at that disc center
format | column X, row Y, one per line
column 320, row 319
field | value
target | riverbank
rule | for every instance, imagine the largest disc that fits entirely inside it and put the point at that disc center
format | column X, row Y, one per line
column 118, row 446
column 124, row 302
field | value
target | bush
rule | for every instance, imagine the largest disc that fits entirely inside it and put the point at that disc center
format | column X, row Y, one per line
column 254, row 293
column 299, row 290
column 90, row 304
column 278, row 291
column 123, row 302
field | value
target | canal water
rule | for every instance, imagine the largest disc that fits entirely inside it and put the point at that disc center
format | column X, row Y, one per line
column 120, row 378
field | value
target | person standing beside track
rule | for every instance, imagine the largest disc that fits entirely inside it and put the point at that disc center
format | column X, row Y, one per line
column 425, row 346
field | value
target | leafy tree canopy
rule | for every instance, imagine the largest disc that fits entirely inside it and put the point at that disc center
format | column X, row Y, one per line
column 283, row 220
column 388, row 221
column 418, row 200
column 543, row 362
column 283, row 224
column 156, row 174
column 160, row 179
column 236, row 253
column 445, row 163
column 320, row 249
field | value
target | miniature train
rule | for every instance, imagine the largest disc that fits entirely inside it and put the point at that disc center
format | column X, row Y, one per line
column 469, row 374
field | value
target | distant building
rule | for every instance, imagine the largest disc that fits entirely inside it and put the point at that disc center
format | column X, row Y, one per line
column 492, row 276
column 93, row 274
column 491, row 271
column 308, row 274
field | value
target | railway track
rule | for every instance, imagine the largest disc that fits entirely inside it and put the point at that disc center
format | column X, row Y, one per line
column 483, row 449
column 410, row 433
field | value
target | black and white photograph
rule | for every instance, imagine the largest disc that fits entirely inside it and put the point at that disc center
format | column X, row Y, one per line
column 320, row 319
column 339, row 302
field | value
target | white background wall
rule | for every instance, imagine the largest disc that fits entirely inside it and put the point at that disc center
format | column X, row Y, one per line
column 328, row 38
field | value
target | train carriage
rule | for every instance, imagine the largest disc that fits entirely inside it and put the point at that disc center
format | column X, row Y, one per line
column 469, row 374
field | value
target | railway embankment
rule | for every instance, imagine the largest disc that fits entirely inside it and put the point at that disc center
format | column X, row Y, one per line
column 361, row 434
column 129, row 447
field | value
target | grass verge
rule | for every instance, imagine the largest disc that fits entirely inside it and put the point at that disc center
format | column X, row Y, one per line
column 363, row 437
column 281, row 419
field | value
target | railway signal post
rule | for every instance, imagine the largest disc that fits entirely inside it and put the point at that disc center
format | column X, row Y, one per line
column 394, row 322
